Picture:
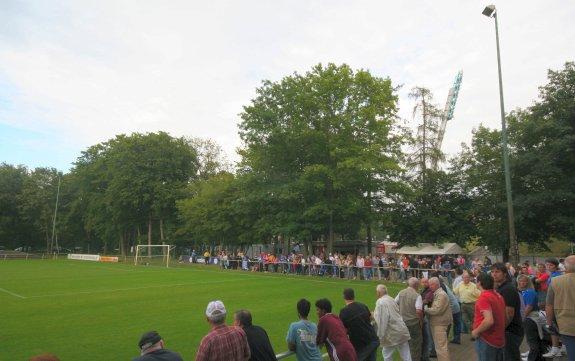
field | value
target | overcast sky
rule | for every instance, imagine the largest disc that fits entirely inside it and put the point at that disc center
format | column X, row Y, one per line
column 75, row 73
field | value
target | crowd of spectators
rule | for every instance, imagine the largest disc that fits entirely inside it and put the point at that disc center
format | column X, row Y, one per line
column 388, row 267
column 498, row 307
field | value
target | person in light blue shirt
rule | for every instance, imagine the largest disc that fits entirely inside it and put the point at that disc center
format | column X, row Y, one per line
column 302, row 334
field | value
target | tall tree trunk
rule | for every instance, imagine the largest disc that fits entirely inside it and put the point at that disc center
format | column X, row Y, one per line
column 369, row 233
column 330, row 235
column 121, row 243
column 162, row 230
column 150, row 235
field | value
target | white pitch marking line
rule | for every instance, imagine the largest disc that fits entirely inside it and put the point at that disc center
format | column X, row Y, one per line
column 12, row 293
column 127, row 289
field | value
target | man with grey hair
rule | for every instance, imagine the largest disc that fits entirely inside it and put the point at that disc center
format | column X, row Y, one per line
column 152, row 349
column 411, row 310
column 222, row 343
column 560, row 306
column 440, row 318
column 391, row 330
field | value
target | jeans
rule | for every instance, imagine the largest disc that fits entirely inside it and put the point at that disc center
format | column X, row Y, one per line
column 512, row 344
column 569, row 342
column 425, row 341
column 457, row 327
column 369, row 352
column 486, row 352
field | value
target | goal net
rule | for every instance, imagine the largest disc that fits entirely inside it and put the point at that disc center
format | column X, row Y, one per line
column 155, row 254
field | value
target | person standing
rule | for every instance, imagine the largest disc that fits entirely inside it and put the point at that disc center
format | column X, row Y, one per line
column 260, row 347
column 552, row 265
column 468, row 293
column 357, row 320
column 332, row 333
column 540, row 283
column 489, row 321
column 440, row 317
column 411, row 311
column 513, row 323
column 427, row 347
column 391, row 330
column 302, row 335
column 222, row 343
column 560, row 306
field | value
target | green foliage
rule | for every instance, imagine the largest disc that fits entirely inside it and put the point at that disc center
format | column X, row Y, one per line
column 321, row 147
column 129, row 182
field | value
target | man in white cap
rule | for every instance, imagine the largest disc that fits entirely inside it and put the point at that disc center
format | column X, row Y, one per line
column 222, row 343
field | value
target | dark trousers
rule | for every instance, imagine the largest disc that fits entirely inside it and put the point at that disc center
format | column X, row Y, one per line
column 512, row 343
column 416, row 340
column 368, row 352
column 536, row 346
column 427, row 345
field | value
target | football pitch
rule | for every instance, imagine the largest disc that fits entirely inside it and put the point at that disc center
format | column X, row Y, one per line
column 82, row 310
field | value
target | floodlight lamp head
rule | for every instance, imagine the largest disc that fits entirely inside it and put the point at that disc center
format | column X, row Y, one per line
column 489, row 11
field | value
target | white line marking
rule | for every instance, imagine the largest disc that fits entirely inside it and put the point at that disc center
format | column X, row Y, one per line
column 12, row 293
column 127, row 289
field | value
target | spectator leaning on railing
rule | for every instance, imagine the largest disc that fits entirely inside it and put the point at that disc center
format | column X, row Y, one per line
column 222, row 343
column 357, row 320
column 332, row 333
column 260, row 346
column 301, row 336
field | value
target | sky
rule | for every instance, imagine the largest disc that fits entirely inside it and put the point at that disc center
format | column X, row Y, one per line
column 76, row 73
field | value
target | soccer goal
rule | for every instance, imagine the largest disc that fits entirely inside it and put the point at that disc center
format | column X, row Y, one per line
column 154, row 254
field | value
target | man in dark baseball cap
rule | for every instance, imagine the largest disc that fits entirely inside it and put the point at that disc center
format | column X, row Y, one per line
column 152, row 349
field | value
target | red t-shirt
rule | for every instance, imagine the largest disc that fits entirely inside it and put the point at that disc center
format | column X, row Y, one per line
column 543, row 277
column 489, row 300
column 367, row 262
column 332, row 332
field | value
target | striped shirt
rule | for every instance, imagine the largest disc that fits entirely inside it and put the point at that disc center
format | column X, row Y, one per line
column 224, row 343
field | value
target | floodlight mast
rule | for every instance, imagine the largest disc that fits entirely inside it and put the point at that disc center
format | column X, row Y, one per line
column 447, row 115
column 491, row 12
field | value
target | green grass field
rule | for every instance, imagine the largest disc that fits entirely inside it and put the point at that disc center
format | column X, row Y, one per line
column 83, row 310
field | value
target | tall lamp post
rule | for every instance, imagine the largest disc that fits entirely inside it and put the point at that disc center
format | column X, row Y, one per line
column 491, row 12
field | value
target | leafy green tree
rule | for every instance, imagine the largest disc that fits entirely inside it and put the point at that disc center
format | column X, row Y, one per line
column 131, row 182
column 36, row 205
column 14, row 231
column 321, row 147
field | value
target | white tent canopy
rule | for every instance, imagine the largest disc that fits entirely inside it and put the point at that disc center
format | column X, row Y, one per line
column 430, row 249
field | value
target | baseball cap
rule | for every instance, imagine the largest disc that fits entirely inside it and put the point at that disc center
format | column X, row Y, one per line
column 149, row 339
column 215, row 308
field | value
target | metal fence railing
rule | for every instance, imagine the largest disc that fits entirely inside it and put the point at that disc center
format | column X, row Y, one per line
column 283, row 355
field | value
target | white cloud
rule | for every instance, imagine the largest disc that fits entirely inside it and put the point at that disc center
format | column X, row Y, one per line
column 93, row 69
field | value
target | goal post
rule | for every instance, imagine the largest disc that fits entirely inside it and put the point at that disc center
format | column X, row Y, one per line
column 153, row 254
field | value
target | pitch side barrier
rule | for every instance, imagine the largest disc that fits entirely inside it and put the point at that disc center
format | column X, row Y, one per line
column 281, row 356
column 327, row 270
